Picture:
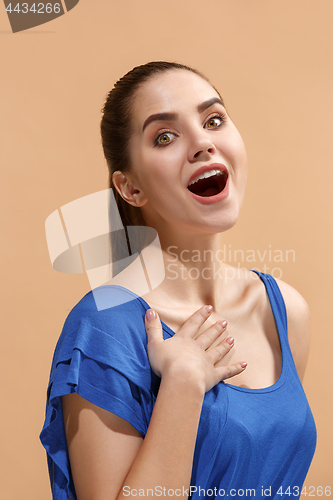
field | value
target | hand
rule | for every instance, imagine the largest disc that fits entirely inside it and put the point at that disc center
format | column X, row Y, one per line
column 183, row 355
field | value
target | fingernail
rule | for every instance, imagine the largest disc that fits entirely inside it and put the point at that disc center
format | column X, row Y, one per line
column 150, row 315
column 229, row 340
column 223, row 323
column 243, row 365
column 208, row 309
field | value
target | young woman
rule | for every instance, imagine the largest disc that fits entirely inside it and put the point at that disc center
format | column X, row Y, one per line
column 137, row 403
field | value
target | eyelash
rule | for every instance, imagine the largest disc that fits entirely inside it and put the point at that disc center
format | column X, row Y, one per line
column 164, row 132
column 158, row 144
column 220, row 117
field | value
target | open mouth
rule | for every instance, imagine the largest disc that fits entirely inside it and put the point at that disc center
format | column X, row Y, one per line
column 209, row 186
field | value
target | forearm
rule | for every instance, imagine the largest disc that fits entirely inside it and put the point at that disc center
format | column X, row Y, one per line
column 166, row 455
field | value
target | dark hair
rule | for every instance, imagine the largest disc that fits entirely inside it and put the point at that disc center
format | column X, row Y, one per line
column 116, row 132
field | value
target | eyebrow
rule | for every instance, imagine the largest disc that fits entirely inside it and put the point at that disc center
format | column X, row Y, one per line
column 167, row 116
column 160, row 117
column 207, row 104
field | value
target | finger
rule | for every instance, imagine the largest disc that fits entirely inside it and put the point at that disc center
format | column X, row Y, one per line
column 153, row 326
column 208, row 337
column 225, row 372
column 219, row 351
column 193, row 323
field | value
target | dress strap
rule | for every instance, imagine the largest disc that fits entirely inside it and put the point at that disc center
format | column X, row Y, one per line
column 276, row 301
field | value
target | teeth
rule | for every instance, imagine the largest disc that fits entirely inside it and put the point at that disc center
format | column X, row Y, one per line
column 205, row 175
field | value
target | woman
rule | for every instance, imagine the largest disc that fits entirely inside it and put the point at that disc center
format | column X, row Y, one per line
column 171, row 426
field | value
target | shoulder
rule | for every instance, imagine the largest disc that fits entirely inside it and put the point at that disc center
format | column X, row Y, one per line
column 298, row 315
column 108, row 318
column 102, row 353
column 106, row 306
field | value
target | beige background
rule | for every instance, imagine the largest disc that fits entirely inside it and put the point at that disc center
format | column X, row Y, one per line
column 272, row 62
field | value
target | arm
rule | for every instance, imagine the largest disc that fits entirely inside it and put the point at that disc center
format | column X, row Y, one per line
column 299, row 327
column 106, row 453
column 105, row 449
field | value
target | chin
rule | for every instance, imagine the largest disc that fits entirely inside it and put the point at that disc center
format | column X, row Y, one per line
column 226, row 219
column 226, row 224
column 219, row 224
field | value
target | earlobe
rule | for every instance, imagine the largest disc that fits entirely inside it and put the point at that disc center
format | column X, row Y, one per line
column 127, row 191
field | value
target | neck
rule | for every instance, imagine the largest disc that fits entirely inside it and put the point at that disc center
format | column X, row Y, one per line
column 183, row 269
column 195, row 269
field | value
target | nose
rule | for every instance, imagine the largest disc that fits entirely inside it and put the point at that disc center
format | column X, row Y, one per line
column 201, row 147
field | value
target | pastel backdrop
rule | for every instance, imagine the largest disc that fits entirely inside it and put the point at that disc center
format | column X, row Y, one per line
column 272, row 62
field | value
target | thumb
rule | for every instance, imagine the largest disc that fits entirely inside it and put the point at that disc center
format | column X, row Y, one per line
column 153, row 326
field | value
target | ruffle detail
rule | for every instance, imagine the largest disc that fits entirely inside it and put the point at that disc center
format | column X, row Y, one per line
column 102, row 368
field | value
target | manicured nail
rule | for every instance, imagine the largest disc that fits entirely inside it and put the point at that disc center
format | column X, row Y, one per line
column 243, row 365
column 150, row 315
column 208, row 309
column 223, row 323
column 229, row 340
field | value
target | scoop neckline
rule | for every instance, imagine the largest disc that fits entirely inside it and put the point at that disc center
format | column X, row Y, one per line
column 280, row 381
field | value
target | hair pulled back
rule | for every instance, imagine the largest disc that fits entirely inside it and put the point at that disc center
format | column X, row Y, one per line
column 116, row 127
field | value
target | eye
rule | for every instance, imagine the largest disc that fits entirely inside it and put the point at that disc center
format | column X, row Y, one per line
column 214, row 122
column 164, row 139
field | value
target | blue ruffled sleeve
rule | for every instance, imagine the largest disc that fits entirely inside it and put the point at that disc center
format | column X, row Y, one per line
column 102, row 356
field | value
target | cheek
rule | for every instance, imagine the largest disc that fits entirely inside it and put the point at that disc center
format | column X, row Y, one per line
column 161, row 165
column 236, row 144
column 238, row 153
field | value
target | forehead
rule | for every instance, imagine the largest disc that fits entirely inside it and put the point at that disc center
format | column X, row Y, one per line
column 172, row 91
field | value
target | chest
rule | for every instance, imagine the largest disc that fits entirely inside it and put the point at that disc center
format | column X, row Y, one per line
column 245, row 437
column 256, row 341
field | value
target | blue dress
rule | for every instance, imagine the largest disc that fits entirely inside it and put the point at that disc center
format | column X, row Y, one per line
column 250, row 442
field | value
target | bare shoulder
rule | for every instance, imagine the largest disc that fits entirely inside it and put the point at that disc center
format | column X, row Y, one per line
column 298, row 315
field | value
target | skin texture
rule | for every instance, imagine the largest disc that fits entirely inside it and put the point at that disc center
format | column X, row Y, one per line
column 159, row 175
column 106, row 453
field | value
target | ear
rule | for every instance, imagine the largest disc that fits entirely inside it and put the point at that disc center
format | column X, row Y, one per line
column 127, row 191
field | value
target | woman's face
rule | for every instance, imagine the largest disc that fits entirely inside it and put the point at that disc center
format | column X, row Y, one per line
column 188, row 161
